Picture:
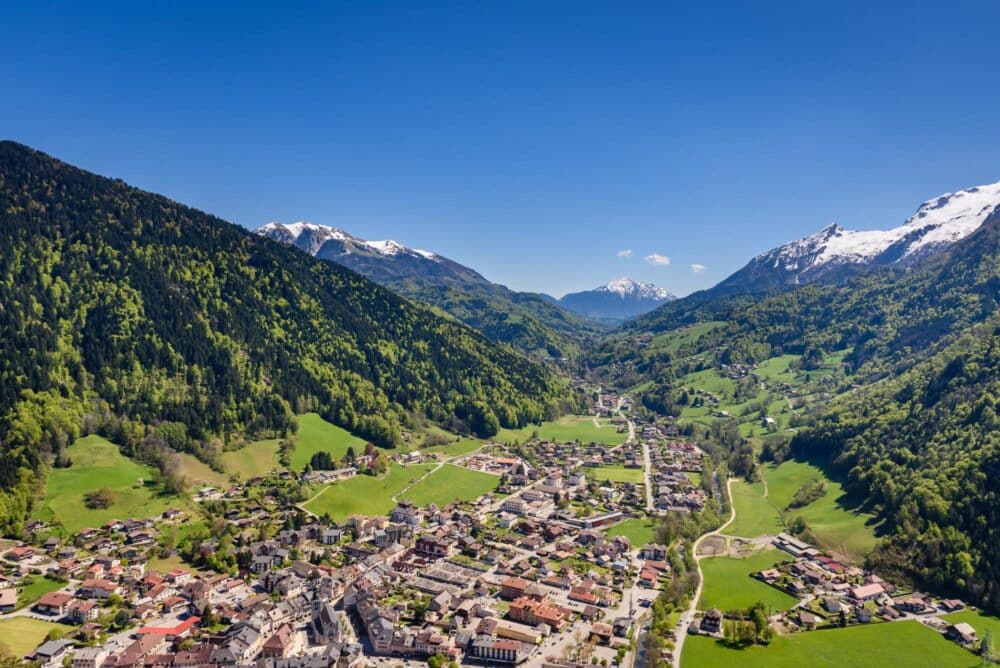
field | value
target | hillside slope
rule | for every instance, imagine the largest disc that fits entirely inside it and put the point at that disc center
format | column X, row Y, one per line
column 525, row 320
column 118, row 302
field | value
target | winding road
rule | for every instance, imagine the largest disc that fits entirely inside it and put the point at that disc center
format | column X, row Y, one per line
column 687, row 617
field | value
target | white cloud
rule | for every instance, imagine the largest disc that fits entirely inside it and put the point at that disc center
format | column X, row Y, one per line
column 657, row 260
column 698, row 268
column 625, row 253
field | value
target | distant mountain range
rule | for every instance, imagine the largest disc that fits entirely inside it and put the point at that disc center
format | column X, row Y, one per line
column 835, row 253
column 534, row 323
column 617, row 301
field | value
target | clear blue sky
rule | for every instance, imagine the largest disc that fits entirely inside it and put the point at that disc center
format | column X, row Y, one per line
column 532, row 141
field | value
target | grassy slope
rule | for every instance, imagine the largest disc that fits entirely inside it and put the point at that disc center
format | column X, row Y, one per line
column 253, row 460
column 568, row 428
column 366, row 495
column 317, row 435
column 836, row 526
column 199, row 473
column 728, row 583
column 98, row 463
column 898, row 644
column 451, row 483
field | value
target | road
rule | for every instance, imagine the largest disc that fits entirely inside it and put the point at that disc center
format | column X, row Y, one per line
column 647, row 466
column 688, row 615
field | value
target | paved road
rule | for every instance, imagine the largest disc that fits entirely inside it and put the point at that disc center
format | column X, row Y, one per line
column 688, row 615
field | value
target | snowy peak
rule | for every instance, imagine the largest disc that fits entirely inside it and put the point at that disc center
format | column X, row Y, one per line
column 834, row 252
column 626, row 287
column 617, row 301
column 312, row 238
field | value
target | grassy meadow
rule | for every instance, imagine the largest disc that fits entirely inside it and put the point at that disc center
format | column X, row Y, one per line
column 97, row 463
column 451, row 483
column 638, row 530
column 568, row 428
column 365, row 495
column 317, row 435
column 728, row 584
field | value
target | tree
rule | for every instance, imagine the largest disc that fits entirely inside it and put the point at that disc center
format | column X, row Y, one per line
column 99, row 499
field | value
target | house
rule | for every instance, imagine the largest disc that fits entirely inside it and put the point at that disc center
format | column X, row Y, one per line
column 8, row 599
column 20, row 553
column 832, row 605
column 97, row 588
column 961, row 632
column 712, row 621
column 90, row 657
column 51, row 652
column 53, row 603
column 80, row 612
column 807, row 620
column 867, row 592
column 602, row 632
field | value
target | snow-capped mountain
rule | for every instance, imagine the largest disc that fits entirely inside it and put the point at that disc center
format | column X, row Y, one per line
column 835, row 253
column 527, row 320
column 619, row 300
column 383, row 261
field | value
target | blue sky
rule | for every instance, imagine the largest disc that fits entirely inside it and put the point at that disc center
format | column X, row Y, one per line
column 531, row 141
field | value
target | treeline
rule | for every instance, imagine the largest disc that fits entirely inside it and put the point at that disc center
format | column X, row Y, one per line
column 114, row 297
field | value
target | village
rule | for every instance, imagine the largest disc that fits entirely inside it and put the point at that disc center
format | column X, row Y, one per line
column 527, row 574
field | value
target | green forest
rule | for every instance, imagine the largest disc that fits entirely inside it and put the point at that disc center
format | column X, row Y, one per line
column 162, row 327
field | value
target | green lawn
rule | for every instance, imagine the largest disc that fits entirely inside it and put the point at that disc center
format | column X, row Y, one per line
column 317, row 435
column 836, row 527
column 255, row 459
column 33, row 591
column 728, row 584
column 366, row 495
column 899, row 644
column 451, row 483
column 98, row 463
column 755, row 515
column 21, row 635
column 638, row 530
column 568, row 428
column 615, row 474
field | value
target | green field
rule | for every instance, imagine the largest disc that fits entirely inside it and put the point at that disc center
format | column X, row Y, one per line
column 460, row 447
column 33, row 591
column 451, row 483
column 250, row 461
column 671, row 342
column 21, row 635
column 837, row 527
column 98, row 463
column 317, row 435
column 755, row 516
column 365, row 495
column 728, row 584
column 903, row 644
column 568, row 428
column 198, row 473
column 638, row 530
column 615, row 474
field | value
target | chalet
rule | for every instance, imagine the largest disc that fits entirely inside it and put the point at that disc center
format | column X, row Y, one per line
column 961, row 632
column 97, row 588
column 20, row 553
column 53, row 603
column 807, row 620
column 712, row 621
column 8, row 599
column 867, row 592
column 80, row 612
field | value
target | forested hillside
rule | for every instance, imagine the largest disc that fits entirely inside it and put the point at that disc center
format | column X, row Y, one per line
column 883, row 319
column 120, row 309
column 924, row 448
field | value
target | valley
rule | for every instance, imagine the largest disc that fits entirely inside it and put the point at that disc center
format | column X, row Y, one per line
column 299, row 447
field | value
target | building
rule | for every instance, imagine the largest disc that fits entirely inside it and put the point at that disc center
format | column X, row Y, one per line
column 499, row 650
column 533, row 612
column 90, row 657
column 53, row 603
